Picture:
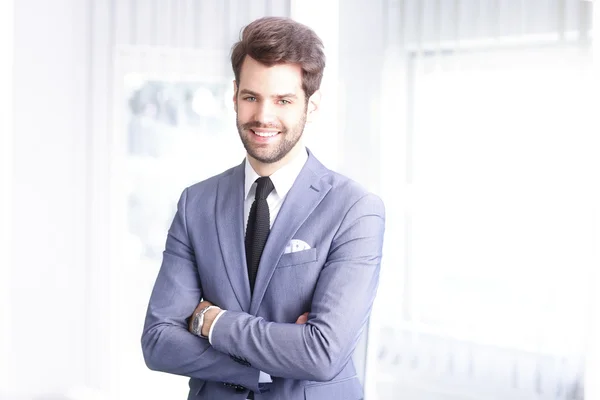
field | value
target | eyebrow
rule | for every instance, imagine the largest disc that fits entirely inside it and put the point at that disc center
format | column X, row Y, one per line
column 276, row 96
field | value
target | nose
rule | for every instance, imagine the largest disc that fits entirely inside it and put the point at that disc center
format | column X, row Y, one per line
column 265, row 114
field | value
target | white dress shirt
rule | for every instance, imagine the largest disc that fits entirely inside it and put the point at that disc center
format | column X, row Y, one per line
column 282, row 179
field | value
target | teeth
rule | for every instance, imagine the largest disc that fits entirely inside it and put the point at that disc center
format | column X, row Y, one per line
column 265, row 134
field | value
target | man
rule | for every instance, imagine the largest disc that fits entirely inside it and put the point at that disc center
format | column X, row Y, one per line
column 283, row 252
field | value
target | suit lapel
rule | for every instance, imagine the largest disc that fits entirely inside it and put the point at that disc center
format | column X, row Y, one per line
column 230, row 230
column 304, row 196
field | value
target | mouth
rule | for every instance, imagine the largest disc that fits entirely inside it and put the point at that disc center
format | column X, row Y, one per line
column 264, row 134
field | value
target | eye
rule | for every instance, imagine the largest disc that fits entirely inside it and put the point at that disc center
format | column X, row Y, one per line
column 284, row 102
column 250, row 98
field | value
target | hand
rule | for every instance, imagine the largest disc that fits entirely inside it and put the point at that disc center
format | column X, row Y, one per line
column 302, row 319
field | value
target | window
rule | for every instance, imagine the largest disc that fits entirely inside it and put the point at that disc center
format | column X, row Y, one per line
column 496, row 225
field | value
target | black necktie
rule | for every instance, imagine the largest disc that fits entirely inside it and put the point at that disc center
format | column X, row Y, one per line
column 258, row 227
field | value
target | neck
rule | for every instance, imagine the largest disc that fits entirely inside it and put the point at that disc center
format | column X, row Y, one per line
column 268, row 169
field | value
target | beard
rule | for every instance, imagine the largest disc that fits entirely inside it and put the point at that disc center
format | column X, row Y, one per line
column 271, row 153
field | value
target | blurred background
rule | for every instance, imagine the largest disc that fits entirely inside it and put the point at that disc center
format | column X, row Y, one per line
column 477, row 121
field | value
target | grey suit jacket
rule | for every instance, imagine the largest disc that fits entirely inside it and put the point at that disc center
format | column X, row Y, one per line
column 336, row 280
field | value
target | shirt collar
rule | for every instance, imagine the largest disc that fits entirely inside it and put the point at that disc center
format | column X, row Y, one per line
column 282, row 179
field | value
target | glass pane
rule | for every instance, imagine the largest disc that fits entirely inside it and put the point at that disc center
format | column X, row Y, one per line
column 178, row 133
column 499, row 229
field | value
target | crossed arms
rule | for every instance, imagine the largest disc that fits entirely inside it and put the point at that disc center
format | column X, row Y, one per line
column 315, row 350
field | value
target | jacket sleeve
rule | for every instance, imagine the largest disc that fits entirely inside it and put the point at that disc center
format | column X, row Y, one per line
column 167, row 344
column 341, row 304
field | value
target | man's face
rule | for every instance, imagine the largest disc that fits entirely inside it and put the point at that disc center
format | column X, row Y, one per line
column 271, row 109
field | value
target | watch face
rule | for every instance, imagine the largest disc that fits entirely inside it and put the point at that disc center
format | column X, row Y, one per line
column 195, row 324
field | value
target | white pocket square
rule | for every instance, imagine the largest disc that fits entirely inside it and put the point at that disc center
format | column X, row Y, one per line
column 296, row 245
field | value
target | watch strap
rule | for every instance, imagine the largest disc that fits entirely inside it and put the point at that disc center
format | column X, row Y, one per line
column 200, row 316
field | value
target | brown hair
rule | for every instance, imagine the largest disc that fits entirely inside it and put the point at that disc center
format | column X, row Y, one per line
column 277, row 40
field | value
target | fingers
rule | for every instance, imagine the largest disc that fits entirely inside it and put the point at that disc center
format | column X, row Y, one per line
column 302, row 319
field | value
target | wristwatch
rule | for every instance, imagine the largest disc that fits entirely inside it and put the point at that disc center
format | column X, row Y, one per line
column 198, row 322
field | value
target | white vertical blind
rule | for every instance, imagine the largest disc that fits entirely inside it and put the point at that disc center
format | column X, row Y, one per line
column 200, row 24
column 427, row 22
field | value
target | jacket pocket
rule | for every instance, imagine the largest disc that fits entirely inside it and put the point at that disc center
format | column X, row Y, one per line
column 297, row 258
column 345, row 389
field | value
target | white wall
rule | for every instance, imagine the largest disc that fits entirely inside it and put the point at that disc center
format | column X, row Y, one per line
column 49, row 219
column 6, row 139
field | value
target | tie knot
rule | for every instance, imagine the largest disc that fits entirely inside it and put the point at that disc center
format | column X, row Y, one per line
column 264, row 186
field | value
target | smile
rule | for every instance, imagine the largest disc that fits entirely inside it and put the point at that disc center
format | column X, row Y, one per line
column 265, row 134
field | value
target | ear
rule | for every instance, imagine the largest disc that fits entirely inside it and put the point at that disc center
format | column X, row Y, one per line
column 314, row 102
column 235, row 91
